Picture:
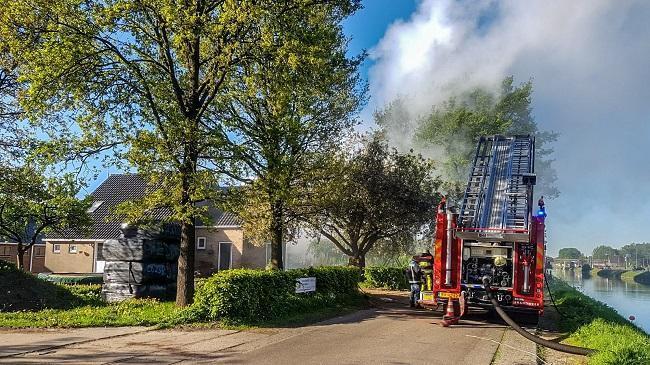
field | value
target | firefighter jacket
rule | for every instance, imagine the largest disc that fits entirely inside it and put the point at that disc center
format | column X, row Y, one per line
column 413, row 275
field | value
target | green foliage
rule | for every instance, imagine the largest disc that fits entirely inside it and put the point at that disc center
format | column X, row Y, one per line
column 375, row 194
column 595, row 325
column 385, row 277
column 135, row 312
column 20, row 291
column 150, row 82
column 31, row 205
column 569, row 253
column 616, row 344
column 603, row 252
column 251, row 296
column 637, row 253
column 451, row 130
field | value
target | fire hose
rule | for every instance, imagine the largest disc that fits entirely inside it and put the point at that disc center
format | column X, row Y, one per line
column 538, row 340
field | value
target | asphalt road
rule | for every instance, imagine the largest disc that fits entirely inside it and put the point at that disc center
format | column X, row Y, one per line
column 389, row 334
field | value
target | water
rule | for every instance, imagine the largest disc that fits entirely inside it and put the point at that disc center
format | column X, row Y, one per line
column 627, row 298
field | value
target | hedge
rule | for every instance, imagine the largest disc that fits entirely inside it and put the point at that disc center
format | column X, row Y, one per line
column 20, row 290
column 73, row 279
column 246, row 295
column 386, row 277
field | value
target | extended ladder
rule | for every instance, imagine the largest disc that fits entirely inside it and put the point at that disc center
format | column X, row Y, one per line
column 497, row 196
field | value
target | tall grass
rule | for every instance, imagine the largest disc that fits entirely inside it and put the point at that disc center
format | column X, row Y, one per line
column 595, row 325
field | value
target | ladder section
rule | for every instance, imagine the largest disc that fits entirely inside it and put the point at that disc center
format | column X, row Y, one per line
column 496, row 196
column 474, row 192
column 516, row 204
column 496, row 191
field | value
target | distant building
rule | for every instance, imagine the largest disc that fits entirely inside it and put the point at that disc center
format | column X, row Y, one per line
column 33, row 260
column 219, row 245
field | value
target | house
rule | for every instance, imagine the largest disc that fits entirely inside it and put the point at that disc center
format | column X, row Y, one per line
column 33, row 260
column 220, row 244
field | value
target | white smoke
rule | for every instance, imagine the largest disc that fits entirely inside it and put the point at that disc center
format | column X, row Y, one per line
column 449, row 46
column 590, row 65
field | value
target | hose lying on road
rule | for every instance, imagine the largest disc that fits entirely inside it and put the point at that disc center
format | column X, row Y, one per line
column 538, row 340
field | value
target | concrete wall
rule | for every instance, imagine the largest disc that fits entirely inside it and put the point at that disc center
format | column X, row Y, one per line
column 243, row 254
column 66, row 262
column 8, row 252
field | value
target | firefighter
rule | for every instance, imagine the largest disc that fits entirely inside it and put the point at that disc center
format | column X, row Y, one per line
column 414, row 276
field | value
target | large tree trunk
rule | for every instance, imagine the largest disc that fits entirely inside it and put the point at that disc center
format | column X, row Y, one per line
column 185, row 279
column 277, row 235
column 358, row 260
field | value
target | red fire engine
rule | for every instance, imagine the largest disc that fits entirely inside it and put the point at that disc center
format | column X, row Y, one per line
column 495, row 242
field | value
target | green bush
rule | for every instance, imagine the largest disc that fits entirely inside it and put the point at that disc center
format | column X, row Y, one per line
column 20, row 291
column 251, row 296
column 385, row 277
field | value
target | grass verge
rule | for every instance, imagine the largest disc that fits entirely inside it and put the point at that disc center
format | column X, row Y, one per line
column 595, row 325
column 142, row 312
column 639, row 277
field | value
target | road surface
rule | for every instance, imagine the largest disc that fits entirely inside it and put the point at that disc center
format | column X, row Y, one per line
column 389, row 334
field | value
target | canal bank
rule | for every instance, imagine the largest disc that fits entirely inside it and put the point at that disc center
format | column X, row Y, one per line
column 627, row 297
column 590, row 323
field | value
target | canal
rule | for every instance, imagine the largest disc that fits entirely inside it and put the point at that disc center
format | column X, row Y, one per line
column 627, row 298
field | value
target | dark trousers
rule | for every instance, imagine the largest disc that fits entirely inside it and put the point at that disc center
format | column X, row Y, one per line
column 415, row 293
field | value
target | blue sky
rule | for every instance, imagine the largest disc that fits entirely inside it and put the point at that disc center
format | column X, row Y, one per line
column 367, row 26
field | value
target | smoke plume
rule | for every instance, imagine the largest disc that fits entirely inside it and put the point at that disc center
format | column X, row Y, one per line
column 589, row 62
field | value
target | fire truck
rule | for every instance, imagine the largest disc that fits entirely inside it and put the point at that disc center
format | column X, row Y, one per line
column 495, row 241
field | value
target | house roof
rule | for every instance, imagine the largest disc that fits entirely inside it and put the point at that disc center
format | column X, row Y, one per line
column 119, row 188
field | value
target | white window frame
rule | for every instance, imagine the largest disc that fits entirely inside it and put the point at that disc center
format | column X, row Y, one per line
column 70, row 250
column 219, row 260
column 198, row 243
column 56, row 248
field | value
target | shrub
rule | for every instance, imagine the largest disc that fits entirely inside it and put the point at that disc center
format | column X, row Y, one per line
column 245, row 295
column 386, row 277
column 20, row 290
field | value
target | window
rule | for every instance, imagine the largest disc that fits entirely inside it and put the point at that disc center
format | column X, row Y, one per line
column 39, row 251
column 96, row 204
column 72, row 249
column 56, row 248
column 5, row 251
column 200, row 243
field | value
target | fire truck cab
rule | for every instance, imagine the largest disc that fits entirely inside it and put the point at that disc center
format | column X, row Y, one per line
column 495, row 237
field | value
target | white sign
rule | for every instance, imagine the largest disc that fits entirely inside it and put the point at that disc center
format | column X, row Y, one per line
column 304, row 285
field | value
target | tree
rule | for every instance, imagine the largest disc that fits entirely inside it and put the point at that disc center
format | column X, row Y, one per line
column 604, row 252
column 141, row 79
column 637, row 252
column 13, row 136
column 452, row 129
column 292, row 102
column 31, row 206
column 376, row 194
column 570, row 253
